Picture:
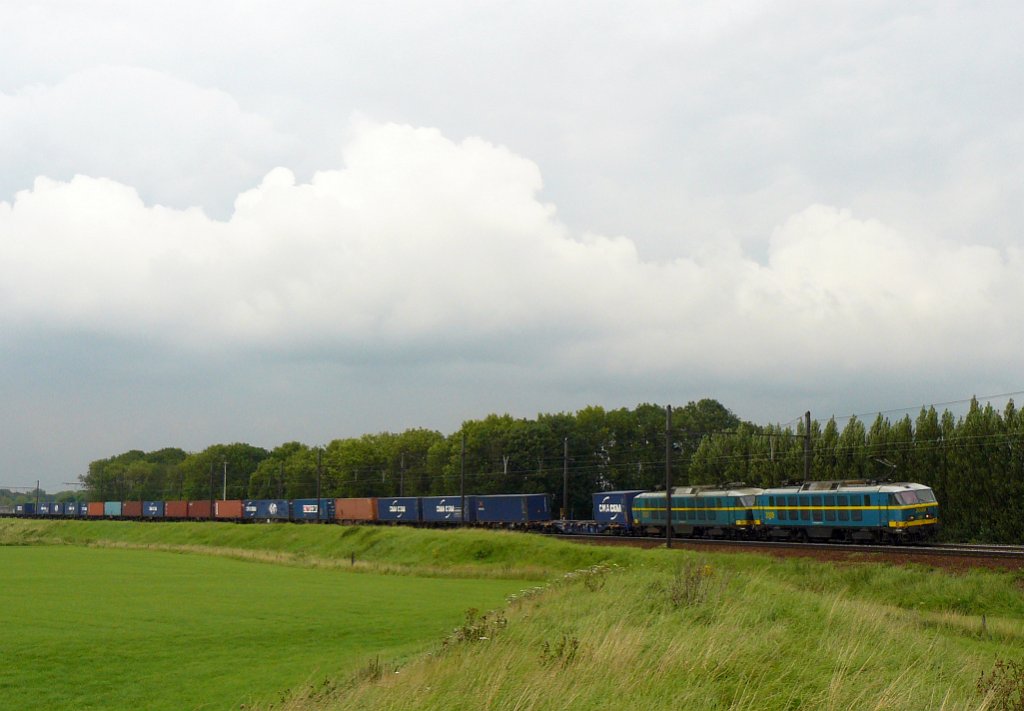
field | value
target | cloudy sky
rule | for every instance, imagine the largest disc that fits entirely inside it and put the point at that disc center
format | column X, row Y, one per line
column 265, row 221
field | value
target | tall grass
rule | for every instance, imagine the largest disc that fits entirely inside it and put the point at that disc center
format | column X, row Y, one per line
column 708, row 633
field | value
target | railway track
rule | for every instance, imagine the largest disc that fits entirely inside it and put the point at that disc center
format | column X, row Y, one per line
column 986, row 554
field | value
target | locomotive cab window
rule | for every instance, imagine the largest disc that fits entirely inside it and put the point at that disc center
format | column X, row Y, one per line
column 906, row 498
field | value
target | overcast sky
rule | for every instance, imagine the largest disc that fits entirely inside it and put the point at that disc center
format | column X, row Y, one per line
column 265, row 221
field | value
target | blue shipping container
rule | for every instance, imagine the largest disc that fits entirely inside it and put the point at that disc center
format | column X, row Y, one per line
column 71, row 509
column 111, row 508
column 403, row 508
column 25, row 509
column 615, row 507
column 310, row 510
column 56, row 509
column 512, row 508
column 44, row 509
column 270, row 509
column 448, row 509
column 153, row 509
column 83, row 508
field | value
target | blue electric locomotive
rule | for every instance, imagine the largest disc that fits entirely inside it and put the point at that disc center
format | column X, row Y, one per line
column 699, row 511
column 849, row 511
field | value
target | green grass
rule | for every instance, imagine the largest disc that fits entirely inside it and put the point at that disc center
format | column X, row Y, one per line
column 629, row 629
column 133, row 629
column 712, row 633
column 449, row 553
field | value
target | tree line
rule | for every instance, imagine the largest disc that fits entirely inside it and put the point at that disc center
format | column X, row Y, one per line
column 602, row 449
column 975, row 463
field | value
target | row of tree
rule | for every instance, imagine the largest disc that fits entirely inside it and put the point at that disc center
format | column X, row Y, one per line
column 975, row 463
column 601, row 449
column 9, row 497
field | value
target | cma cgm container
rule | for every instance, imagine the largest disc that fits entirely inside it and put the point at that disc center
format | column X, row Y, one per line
column 265, row 509
column 403, row 509
column 313, row 510
column 94, row 509
column 228, row 509
column 448, row 509
column 83, row 508
column 175, row 509
column 56, row 509
column 355, row 509
column 132, row 509
column 615, row 508
column 71, row 508
column 112, row 509
column 44, row 508
column 512, row 508
column 200, row 510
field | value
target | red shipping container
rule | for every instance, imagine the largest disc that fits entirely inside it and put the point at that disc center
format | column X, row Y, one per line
column 229, row 508
column 176, row 509
column 95, row 509
column 132, row 509
column 355, row 509
column 200, row 509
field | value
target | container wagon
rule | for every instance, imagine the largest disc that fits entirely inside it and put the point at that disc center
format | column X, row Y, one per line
column 448, row 509
column 176, row 509
column 355, row 510
column 307, row 510
column 265, row 510
column 516, row 509
column 200, row 510
column 228, row 509
column 403, row 509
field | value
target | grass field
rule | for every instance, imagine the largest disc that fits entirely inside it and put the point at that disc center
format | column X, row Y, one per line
column 137, row 629
column 739, row 633
column 283, row 611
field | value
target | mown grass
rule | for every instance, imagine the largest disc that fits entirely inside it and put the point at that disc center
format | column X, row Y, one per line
column 139, row 629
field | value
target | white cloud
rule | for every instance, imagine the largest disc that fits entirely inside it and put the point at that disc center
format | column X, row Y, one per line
column 176, row 143
column 419, row 243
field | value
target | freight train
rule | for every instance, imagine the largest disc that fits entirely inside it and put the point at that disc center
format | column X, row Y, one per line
column 821, row 510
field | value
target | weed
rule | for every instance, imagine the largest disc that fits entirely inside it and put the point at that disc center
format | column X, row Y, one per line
column 691, row 585
column 1004, row 686
column 562, row 653
column 476, row 628
column 594, row 577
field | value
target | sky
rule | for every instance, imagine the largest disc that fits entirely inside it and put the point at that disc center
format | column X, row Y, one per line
column 266, row 222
